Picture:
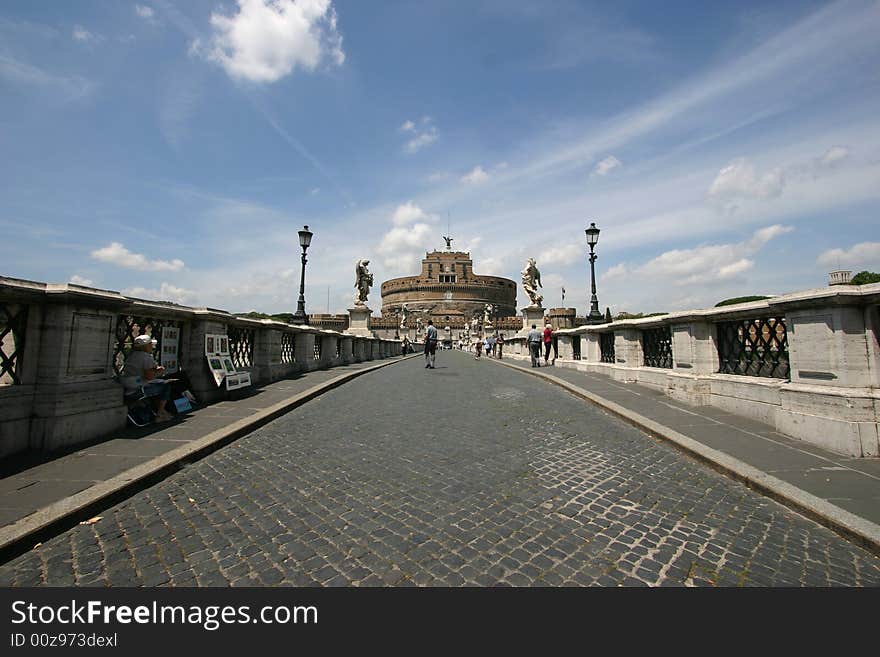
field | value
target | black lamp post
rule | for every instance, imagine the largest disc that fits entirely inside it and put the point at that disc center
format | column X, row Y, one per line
column 300, row 317
column 595, row 317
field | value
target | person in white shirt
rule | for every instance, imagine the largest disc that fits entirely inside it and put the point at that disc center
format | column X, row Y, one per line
column 141, row 370
column 430, row 345
column 534, row 341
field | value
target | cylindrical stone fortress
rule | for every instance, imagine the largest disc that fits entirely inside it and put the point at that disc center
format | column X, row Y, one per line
column 447, row 289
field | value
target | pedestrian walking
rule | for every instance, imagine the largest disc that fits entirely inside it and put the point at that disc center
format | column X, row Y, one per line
column 478, row 349
column 493, row 342
column 430, row 345
column 534, row 341
column 500, row 344
column 548, row 342
column 487, row 347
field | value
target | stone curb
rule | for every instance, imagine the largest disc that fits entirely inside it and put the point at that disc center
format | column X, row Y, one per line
column 862, row 531
column 22, row 535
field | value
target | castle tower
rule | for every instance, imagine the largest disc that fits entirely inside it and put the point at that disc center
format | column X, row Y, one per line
column 448, row 291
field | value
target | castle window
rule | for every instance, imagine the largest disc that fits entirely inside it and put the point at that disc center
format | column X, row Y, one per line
column 447, row 278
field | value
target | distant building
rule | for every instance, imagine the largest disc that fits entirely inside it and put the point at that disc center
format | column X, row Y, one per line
column 839, row 277
column 326, row 321
column 449, row 292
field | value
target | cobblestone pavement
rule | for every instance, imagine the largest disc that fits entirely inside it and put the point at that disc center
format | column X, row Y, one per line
column 468, row 474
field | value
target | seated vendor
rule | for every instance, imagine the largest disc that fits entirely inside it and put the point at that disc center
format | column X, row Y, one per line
column 141, row 370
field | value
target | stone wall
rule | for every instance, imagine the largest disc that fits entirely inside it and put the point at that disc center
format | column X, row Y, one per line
column 826, row 388
column 58, row 382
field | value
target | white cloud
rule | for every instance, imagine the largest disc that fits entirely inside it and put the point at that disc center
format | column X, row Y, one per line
column 82, row 34
column 117, row 254
column 76, row 279
column 424, row 136
column 72, row 88
column 476, row 177
column 315, row 191
column 177, row 106
column 268, row 39
column 561, row 255
column 166, row 292
column 734, row 268
column 412, row 234
column 144, row 11
column 619, row 270
column 764, row 235
column 420, row 141
column 492, row 266
column 830, row 39
column 739, row 180
column 859, row 255
column 606, row 165
column 834, row 155
column 714, row 262
column 401, row 246
column 407, row 214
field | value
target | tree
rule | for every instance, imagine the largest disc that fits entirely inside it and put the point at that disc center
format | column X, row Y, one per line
column 730, row 302
column 623, row 315
column 278, row 317
column 865, row 277
column 607, row 315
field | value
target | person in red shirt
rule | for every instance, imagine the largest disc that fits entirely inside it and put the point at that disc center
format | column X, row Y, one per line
column 548, row 342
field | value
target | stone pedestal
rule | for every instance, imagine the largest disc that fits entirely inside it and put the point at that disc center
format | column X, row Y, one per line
column 359, row 324
column 531, row 315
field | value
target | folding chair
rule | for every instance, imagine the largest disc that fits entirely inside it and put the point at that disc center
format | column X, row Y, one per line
column 140, row 412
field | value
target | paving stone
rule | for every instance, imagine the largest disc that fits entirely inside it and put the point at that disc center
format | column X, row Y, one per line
column 564, row 495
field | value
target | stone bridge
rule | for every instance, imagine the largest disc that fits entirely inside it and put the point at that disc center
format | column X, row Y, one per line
column 347, row 464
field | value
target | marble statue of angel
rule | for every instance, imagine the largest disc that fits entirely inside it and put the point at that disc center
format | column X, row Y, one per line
column 531, row 281
column 363, row 281
column 404, row 313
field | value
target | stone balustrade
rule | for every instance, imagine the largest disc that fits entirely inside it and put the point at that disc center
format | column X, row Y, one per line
column 61, row 347
column 806, row 363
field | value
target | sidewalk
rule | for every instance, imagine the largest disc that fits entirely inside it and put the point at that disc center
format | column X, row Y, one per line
column 838, row 491
column 37, row 498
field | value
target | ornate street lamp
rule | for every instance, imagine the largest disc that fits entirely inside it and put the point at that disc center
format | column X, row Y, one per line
column 595, row 317
column 300, row 317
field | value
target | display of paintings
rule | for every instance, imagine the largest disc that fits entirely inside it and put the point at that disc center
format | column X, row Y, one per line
column 217, row 370
column 239, row 380
column 220, row 364
column 168, row 356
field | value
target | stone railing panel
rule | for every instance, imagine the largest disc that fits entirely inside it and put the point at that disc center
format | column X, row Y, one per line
column 827, row 340
column 61, row 356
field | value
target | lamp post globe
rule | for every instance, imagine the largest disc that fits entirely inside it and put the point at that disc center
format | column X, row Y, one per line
column 300, row 317
column 595, row 317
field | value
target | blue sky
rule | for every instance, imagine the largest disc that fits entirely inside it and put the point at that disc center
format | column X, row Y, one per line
column 172, row 150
